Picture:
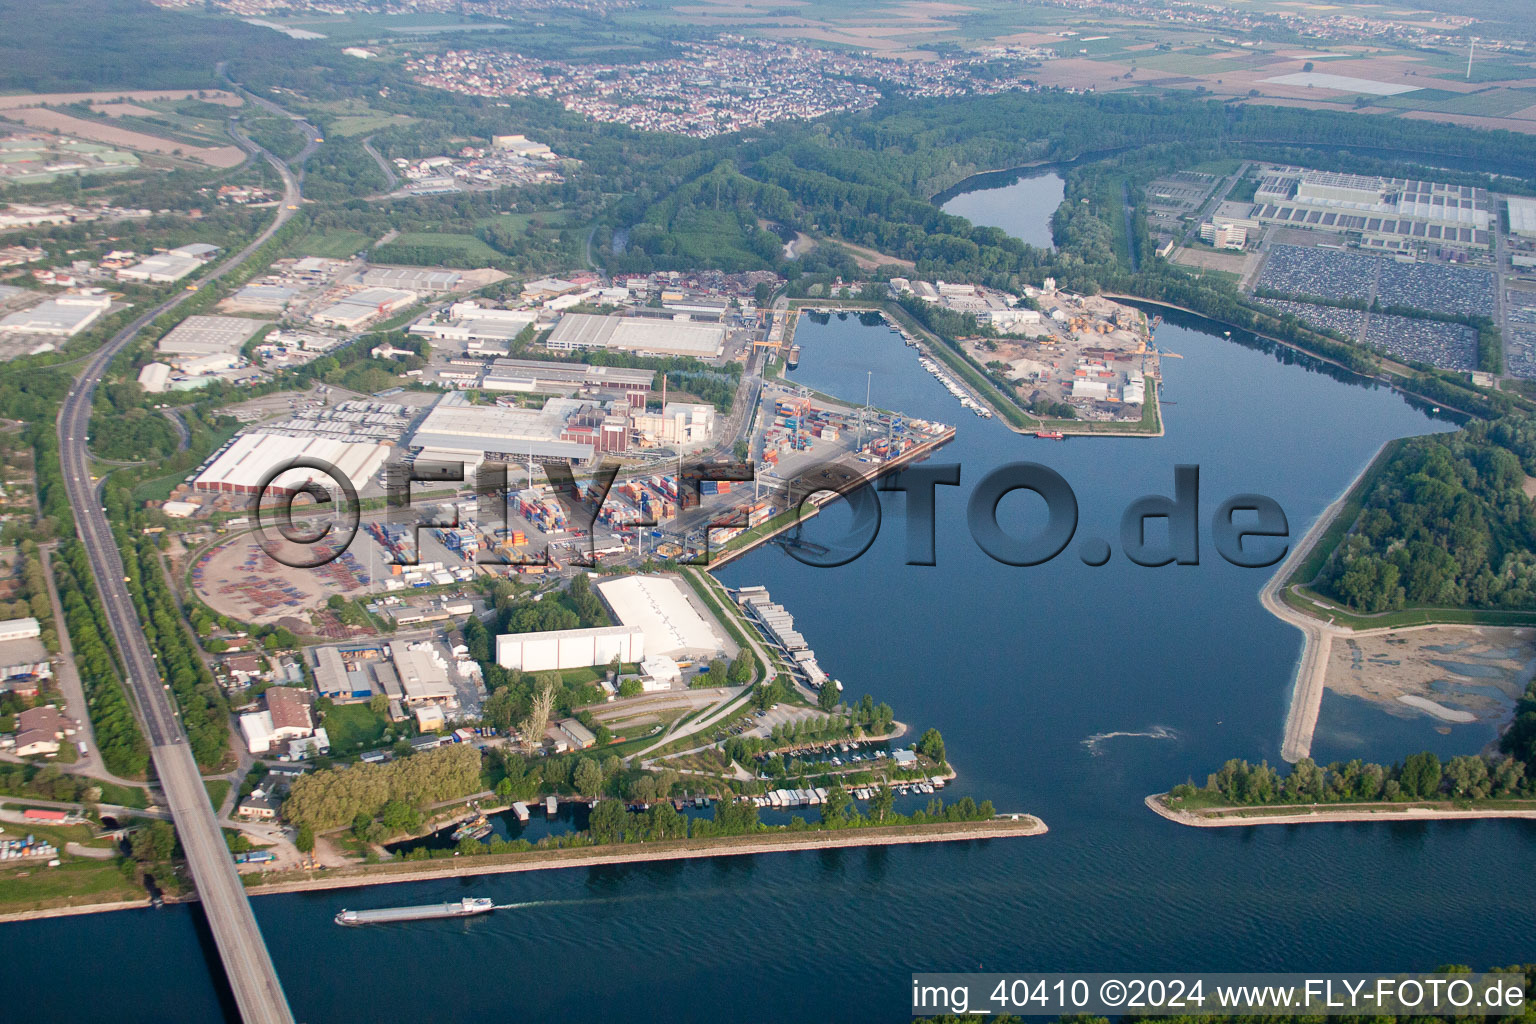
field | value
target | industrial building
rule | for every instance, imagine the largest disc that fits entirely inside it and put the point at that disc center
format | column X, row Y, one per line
column 62, row 316
column 241, row 467
column 357, row 309
column 286, row 717
column 456, row 431
column 538, row 377
column 20, row 629
column 416, row 279
column 262, row 298
column 407, row 672
column 477, row 328
column 1522, row 216
column 658, row 608
column 639, row 335
column 522, row 146
column 570, row 648
column 167, row 267
column 684, row 424
column 1393, row 214
column 1224, row 236
column 198, row 337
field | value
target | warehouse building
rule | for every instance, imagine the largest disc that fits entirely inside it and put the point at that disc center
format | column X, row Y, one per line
column 261, row 298
column 1392, row 214
column 199, row 336
column 538, row 377
column 421, row 670
column 658, row 608
column 570, row 648
column 167, row 267
column 357, row 309
column 416, row 279
column 242, row 466
column 456, row 431
column 477, row 328
column 62, row 316
column 1522, row 216
column 638, row 335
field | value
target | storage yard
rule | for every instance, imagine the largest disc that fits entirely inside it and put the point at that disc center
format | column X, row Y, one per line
column 1086, row 352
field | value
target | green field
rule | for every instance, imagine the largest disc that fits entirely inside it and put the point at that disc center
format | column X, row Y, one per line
column 217, row 789
column 467, row 246
column 32, row 885
column 353, row 727
column 366, row 124
column 337, row 244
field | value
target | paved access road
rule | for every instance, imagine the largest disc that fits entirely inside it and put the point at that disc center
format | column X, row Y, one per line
column 252, row 978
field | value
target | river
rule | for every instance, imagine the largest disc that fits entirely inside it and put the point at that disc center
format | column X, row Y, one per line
column 1040, row 680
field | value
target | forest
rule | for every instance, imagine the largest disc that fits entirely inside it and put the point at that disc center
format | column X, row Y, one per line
column 1419, row 776
column 1446, row 523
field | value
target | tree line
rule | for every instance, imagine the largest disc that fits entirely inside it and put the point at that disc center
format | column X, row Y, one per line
column 1419, row 776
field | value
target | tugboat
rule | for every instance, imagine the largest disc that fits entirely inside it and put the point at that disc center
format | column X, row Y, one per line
column 477, row 827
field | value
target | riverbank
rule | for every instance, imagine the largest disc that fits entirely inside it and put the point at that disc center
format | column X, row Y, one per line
column 1005, row 827
column 1305, row 814
column 1317, row 636
column 1013, row 826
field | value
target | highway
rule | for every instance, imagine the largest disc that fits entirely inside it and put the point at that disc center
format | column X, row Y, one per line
column 252, row 978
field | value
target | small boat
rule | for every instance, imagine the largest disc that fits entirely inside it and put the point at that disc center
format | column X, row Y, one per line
column 1050, row 435
column 477, row 827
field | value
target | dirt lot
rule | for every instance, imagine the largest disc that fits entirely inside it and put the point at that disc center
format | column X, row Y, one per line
column 239, row 579
column 1476, row 670
column 1205, row 259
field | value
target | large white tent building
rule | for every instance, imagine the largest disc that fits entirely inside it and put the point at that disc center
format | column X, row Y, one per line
column 242, row 466
column 657, row 606
column 570, row 648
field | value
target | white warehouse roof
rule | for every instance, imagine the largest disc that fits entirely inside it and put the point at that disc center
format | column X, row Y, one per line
column 637, row 334
column 251, row 457
column 657, row 606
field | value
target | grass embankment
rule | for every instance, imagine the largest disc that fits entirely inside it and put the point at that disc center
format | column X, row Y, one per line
column 778, row 841
column 31, row 885
column 1207, row 810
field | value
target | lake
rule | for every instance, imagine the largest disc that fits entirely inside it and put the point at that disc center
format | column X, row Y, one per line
column 1061, row 690
column 1021, row 203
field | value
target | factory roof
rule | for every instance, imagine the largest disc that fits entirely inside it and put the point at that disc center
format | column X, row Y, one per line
column 637, row 334
column 252, row 456
column 208, row 335
column 657, row 606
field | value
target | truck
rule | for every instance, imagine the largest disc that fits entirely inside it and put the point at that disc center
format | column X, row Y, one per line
column 254, row 857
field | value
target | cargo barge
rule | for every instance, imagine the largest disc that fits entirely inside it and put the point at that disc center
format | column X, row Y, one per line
column 466, row 907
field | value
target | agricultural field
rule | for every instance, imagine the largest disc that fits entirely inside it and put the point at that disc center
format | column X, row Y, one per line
column 141, row 122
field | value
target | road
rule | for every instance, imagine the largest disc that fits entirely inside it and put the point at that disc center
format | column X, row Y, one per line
column 384, row 165
column 252, row 978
